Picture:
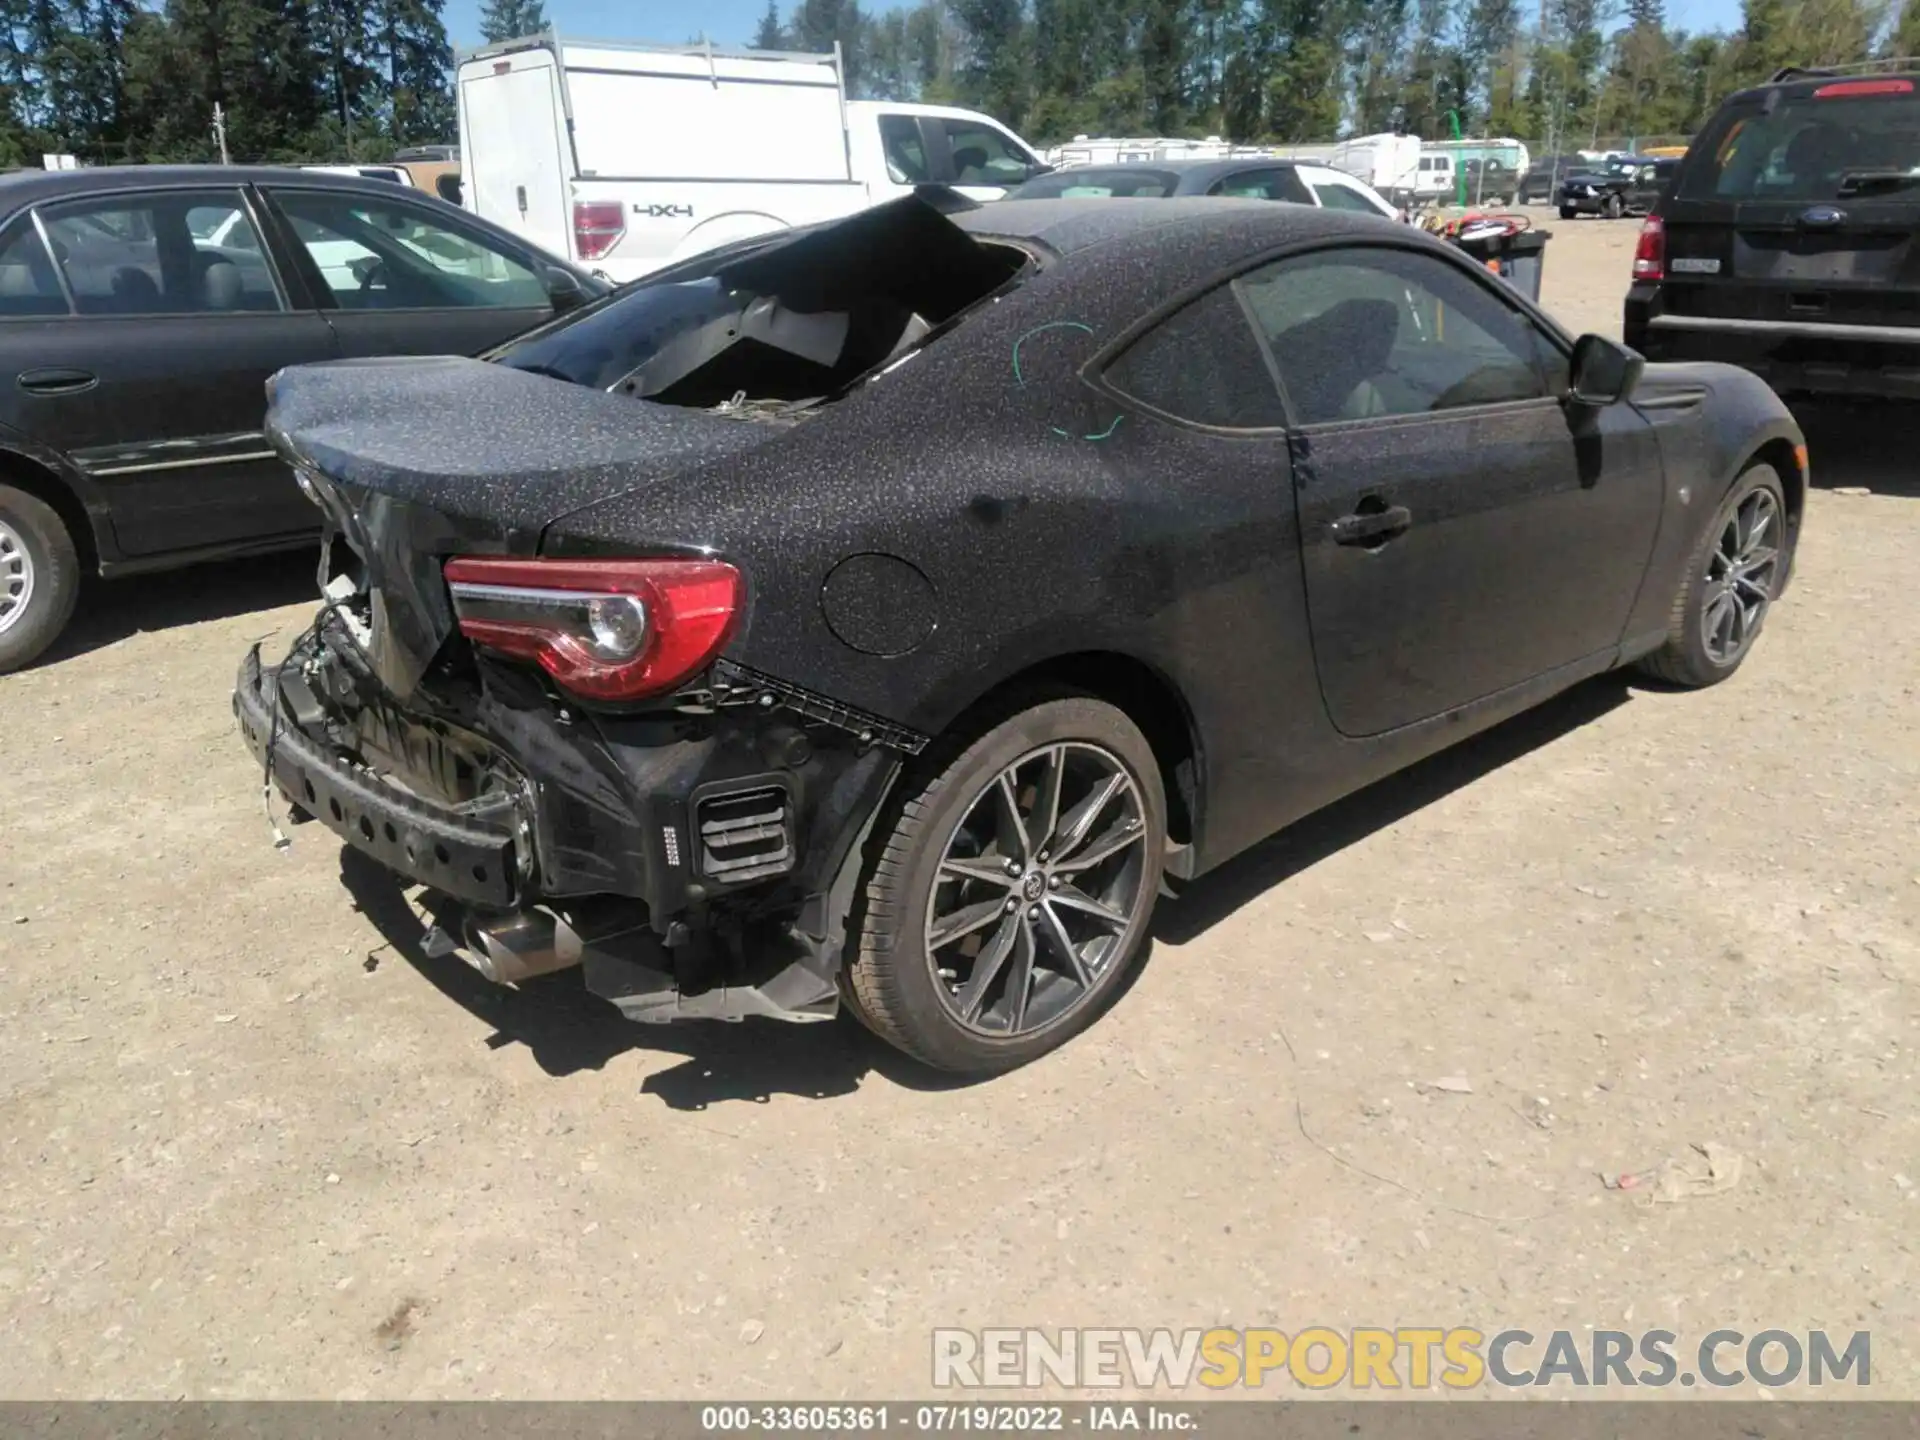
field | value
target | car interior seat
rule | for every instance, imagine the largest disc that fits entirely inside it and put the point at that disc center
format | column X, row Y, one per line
column 1331, row 360
column 221, row 285
column 134, row 290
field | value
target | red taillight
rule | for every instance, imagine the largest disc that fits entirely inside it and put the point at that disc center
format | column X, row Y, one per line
column 604, row 629
column 1650, row 255
column 1842, row 88
column 597, row 227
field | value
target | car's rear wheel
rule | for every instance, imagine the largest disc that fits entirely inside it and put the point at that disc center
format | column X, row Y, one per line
column 39, row 577
column 1012, row 890
column 1731, row 578
column 1613, row 207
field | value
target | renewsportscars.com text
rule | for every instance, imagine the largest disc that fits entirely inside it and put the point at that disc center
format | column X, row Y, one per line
column 1408, row 1357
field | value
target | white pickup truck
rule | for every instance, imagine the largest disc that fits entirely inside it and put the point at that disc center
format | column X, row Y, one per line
column 629, row 157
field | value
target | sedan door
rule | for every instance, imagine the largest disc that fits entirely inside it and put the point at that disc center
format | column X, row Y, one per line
column 398, row 277
column 1463, row 529
column 154, row 382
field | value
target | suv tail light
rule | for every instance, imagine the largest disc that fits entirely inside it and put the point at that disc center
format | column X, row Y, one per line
column 603, row 629
column 597, row 227
column 1650, row 255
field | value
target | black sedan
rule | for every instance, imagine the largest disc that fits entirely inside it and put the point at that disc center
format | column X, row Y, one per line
column 883, row 612
column 142, row 310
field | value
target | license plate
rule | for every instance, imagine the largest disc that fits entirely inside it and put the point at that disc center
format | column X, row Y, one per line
column 1694, row 265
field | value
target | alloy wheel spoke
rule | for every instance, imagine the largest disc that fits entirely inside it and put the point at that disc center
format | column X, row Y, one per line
column 964, row 921
column 1104, row 846
column 1009, row 825
column 986, row 965
column 1075, row 898
column 1020, row 977
column 988, row 869
column 1046, row 800
column 1078, row 822
column 1063, row 946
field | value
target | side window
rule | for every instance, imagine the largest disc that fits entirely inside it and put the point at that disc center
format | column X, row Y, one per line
column 1276, row 184
column 1336, row 196
column 177, row 253
column 905, row 149
column 1361, row 334
column 377, row 254
column 1203, row 365
column 28, row 284
column 983, row 155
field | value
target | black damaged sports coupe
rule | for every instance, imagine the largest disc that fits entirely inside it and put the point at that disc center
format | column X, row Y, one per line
column 886, row 612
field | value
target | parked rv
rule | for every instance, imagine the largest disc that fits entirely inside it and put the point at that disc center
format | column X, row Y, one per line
column 1387, row 163
column 628, row 157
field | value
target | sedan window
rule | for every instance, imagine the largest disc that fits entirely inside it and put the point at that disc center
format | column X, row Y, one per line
column 168, row 254
column 28, row 285
column 1282, row 183
column 1359, row 334
column 1336, row 196
column 1202, row 364
column 378, row 255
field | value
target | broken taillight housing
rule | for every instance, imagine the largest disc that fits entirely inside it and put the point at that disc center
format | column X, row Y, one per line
column 597, row 227
column 1650, row 254
column 603, row 629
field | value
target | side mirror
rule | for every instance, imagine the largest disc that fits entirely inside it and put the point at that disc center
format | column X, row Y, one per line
column 565, row 291
column 1603, row 372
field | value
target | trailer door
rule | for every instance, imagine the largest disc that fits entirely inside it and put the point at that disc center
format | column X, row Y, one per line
column 513, row 147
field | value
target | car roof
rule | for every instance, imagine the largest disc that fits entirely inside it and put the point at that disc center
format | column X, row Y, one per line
column 1797, row 83
column 1194, row 171
column 1069, row 226
column 33, row 187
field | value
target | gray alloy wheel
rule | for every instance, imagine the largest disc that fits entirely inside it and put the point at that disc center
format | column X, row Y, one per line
column 1738, row 565
column 1613, row 208
column 39, row 577
column 1010, row 887
column 1741, row 568
column 1037, row 890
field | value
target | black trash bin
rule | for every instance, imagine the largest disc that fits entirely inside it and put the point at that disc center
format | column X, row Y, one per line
column 1517, row 257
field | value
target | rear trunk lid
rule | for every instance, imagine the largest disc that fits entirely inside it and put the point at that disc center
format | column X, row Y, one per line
column 413, row 460
column 1800, row 205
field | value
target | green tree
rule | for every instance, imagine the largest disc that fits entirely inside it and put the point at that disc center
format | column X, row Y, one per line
column 512, row 19
column 771, row 35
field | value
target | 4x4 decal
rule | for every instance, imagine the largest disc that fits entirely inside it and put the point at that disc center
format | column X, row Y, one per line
column 664, row 212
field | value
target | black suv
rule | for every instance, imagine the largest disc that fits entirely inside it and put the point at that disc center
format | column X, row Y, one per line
column 1624, row 185
column 1787, row 242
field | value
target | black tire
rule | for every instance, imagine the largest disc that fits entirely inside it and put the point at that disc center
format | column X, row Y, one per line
column 1567, row 212
column 1613, row 207
column 1685, row 658
column 891, row 981
column 40, row 565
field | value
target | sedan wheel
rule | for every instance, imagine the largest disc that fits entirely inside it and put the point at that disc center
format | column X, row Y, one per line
column 1737, row 567
column 1015, row 890
column 39, row 577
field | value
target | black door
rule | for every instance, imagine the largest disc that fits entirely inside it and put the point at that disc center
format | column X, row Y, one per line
column 154, row 383
column 1462, row 531
column 396, row 277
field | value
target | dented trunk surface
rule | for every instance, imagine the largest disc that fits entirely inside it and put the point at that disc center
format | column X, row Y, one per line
column 415, row 460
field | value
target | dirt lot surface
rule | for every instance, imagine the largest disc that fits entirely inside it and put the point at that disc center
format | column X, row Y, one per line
column 256, row 1145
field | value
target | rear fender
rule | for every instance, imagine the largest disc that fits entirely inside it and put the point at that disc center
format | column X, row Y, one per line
column 46, row 473
column 725, row 230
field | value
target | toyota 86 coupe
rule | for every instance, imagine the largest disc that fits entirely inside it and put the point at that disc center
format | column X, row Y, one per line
column 889, row 613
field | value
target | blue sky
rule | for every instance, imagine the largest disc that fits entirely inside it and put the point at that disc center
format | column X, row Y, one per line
column 732, row 22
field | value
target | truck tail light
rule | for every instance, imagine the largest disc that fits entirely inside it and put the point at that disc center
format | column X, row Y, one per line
column 597, row 227
column 1650, row 255
column 603, row 629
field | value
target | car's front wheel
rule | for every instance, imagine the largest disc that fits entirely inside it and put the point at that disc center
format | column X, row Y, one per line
column 1734, row 572
column 39, row 577
column 1568, row 212
column 1012, row 889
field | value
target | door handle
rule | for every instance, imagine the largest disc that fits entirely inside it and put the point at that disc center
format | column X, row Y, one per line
column 1371, row 526
column 57, row 381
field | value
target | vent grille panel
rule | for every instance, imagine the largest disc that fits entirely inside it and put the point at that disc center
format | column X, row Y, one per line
column 745, row 834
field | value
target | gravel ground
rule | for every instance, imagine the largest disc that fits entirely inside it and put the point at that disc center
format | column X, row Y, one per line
column 257, row 1145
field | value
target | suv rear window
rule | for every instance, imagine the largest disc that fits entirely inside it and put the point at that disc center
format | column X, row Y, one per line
column 1857, row 139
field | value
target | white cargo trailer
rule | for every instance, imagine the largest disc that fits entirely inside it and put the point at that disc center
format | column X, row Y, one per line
column 628, row 157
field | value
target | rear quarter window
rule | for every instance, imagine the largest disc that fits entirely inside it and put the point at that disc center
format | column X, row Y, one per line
column 1202, row 364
